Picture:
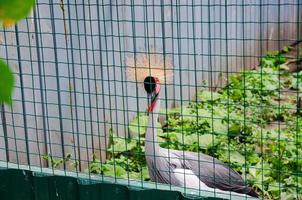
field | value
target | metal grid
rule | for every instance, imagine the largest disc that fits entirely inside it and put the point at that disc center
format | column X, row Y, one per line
column 75, row 108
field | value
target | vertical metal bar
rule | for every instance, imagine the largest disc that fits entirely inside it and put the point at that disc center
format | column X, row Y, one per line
column 102, row 77
column 40, row 76
column 96, row 88
column 33, row 93
column 82, row 83
column 71, row 78
column 244, row 84
column 3, row 117
column 53, row 26
column 75, row 89
column 108, row 77
column 113, row 68
column 228, row 74
column 133, row 28
column 124, row 80
column 89, row 91
column 298, row 132
column 42, row 80
column 279, row 103
column 22, row 96
column 179, row 53
column 261, row 106
column 196, row 83
column 210, row 75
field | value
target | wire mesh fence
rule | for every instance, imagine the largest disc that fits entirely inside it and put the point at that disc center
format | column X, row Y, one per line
column 227, row 74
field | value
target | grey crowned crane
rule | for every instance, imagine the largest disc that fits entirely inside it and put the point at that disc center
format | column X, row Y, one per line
column 180, row 168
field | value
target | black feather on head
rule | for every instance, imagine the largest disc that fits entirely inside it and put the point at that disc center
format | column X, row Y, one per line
column 149, row 84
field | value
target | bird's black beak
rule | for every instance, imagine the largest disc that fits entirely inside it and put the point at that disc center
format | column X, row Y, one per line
column 152, row 88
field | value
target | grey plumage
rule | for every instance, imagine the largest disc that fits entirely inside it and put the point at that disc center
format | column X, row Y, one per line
column 164, row 164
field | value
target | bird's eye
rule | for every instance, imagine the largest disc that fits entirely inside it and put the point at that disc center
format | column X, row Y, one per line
column 149, row 84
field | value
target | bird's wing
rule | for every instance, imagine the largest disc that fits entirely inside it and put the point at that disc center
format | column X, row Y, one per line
column 188, row 179
column 214, row 173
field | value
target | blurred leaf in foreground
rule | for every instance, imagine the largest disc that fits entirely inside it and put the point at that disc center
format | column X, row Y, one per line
column 12, row 11
column 6, row 83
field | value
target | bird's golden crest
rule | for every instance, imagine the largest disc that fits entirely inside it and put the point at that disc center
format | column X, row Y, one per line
column 149, row 65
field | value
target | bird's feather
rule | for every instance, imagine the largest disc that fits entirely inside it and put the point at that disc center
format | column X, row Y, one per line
column 164, row 163
column 214, row 173
column 201, row 172
column 153, row 64
column 189, row 180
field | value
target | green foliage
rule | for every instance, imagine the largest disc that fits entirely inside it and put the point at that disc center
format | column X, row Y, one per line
column 56, row 163
column 12, row 11
column 6, row 83
column 119, row 145
column 139, row 125
column 251, row 124
column 297, row 81
column 208, row 96
column 126, row 159
column 275, row 59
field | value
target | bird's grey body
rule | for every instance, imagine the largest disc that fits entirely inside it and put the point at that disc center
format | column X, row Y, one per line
column 189, row 169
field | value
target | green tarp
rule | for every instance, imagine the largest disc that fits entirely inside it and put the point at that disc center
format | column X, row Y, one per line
column 25, row 185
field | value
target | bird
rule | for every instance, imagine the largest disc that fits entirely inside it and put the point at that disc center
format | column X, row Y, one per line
column 180, row 168
column 185, row 168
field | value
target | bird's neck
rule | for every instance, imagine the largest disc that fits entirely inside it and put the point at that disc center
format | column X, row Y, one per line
column 151, row 136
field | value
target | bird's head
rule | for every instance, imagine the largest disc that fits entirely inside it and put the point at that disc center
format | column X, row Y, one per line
column 152, row 88
column 151, row 70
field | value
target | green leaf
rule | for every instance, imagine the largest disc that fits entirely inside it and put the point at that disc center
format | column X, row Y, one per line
column 287, row 49
column 168, row 138
column 274, row 186
column 186, row 139
column 267, row 62
column 233, row 156
column 208, row 96
column 7, row 82
column 115, row 171
column 288, row 196
column 204, row 141
column 122, row 144
column 235, row 130
column 145, row 173
column 12, row 11
column 95, row 167
column 253, row 172
column 297, row 84
column 276, row 135
column 283, row 67
column 139, row 125
column 178, row 110
column 132, row 175
column 219, row 127
column 204, row 113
